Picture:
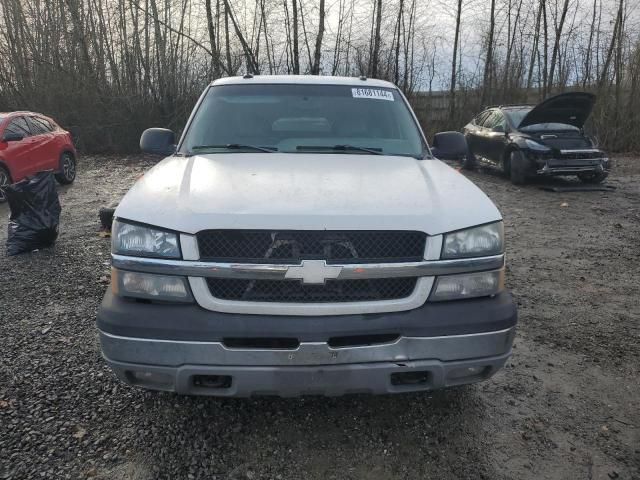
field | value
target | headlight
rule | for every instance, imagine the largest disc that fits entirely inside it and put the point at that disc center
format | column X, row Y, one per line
column 474, row 242
column 132, row 239
column 468, row 285
column 166, row 288
column 538, row 147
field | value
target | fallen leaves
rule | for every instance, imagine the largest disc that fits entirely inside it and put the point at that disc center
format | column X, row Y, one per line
column 92, row 472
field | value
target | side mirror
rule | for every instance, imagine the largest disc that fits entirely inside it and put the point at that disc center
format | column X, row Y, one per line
column 12, row 137
column 158, row 141
column 449, row 146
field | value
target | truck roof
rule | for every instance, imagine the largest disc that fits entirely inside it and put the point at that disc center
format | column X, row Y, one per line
column 304, row 79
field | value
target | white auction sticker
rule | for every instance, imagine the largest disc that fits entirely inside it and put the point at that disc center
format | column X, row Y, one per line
column 372, row 93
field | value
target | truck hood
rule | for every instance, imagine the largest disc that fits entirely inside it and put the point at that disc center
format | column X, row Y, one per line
column 571, row 108
column 306, row 192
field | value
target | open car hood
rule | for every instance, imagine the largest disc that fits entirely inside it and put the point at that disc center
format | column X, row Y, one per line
column 569, row 108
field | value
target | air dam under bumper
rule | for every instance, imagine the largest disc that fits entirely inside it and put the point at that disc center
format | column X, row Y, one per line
column 184, row 348
column 210, row 368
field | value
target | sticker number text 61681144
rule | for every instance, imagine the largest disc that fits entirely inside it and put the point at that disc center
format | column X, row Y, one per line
column 372, row 93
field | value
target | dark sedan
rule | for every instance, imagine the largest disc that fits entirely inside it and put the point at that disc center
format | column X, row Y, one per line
column 546, row 139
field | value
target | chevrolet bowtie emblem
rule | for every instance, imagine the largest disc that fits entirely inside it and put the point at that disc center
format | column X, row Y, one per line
column 313, row 271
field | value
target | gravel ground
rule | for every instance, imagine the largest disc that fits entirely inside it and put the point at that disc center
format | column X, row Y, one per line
column 566, row 406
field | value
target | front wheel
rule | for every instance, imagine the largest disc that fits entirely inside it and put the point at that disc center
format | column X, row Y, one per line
column 593, row 177
column 517, row 168
column 67, row 172
column 5, row 180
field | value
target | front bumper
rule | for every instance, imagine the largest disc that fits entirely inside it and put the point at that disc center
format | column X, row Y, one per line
column 330, row 380
column 173, row 348
column 570, row 166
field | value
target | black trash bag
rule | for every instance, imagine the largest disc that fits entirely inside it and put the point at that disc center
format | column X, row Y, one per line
column 106, row 217
column 35, row 213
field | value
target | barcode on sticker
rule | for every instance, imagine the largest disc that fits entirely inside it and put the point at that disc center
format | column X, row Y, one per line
column 372, row 93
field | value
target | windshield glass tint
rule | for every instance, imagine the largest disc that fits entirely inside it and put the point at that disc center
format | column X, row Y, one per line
column 296, row 118
column 517, row 115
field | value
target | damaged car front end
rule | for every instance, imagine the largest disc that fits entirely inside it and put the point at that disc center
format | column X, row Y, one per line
column 552, row 137
column 549, row 161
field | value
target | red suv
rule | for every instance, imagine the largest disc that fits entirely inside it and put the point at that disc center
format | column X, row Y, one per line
column 31, row 143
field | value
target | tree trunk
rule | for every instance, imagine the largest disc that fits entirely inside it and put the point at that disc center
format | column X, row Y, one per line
column 534, row 48
column 556, row 45
column 587, row 62
column 227, row 39
column 296, row 51
column 546, row 48
column 454, row 63
column 486, row 77
column 396, row 69
column 212, row 40
column 252, row 64
column 616, row 32
column 315, row 69
column 511, row 41
column 375, row 56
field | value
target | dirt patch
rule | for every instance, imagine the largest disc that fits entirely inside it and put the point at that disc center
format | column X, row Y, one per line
column 566, row 405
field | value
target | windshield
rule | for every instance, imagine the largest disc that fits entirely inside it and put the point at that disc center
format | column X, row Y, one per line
column 302, row 119
column 517, row 115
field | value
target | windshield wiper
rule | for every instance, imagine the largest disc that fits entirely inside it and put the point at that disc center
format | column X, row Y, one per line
column 235, row 146
column 343, row 148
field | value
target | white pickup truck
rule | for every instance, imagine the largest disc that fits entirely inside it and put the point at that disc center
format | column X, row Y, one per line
column 302, row 238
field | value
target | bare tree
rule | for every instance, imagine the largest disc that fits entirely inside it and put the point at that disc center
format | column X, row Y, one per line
column 454, row 63
column 556, row 45
column 315, row 69
column 211, row 28
column 604, row 75
column 486, row 78
column 375, row 52
column 296, row 52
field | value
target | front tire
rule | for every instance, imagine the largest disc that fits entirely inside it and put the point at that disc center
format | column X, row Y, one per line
column 593, row 177
column 5, row 180
column 67, row 172
column 517, row 168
